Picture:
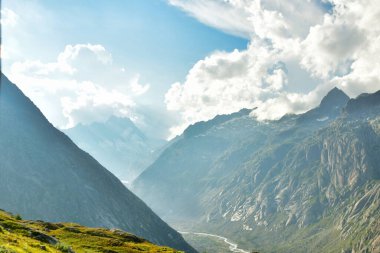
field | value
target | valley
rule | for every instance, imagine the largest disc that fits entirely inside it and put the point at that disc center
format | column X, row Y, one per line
column 190, row 126
column 118, row 145
column 301, row 182
column 205, row 242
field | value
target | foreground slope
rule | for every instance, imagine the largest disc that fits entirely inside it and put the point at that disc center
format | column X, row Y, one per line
column 305, row 183
column 44, row 175
column 18, row 235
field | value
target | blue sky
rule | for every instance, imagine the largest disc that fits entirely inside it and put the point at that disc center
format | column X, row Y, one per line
column 170, row 63
column 152, row 38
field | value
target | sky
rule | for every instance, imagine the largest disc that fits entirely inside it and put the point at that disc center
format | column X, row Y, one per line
column 167, row 64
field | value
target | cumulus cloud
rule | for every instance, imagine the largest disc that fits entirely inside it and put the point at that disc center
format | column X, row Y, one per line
column 298, row 51
column 94, row 103
column 80, row 61
column 336, row 46
column 226, row 82
column 81, row 86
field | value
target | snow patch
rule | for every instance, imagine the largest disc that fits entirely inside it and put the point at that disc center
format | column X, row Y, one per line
column 237, row 216
column 247, row 228
column 323, row 119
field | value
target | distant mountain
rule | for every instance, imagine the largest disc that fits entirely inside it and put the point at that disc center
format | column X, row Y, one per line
column 202, row 127
column 44, row 175
column 118, row 145
column 17, row 235
column 305, row 183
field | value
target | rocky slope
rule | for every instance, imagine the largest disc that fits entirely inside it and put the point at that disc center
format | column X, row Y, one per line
column 44, row 175
column 17, row 235
column 118, row 145
column 305, row 183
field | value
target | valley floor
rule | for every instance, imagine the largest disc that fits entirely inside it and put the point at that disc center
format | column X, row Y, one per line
column 210, row 243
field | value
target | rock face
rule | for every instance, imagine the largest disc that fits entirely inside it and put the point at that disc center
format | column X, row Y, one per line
column 305, row 183
column 44, row 175
column 118, row 145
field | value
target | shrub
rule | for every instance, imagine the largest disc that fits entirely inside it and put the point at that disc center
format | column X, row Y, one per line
column 64, row 248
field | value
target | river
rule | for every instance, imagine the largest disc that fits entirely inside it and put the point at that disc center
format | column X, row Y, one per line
column 232, row 246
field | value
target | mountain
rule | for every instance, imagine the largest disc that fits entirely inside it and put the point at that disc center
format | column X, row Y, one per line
column 304, row 183
column 201, row 127
column 118, row 145
column 17, row 235
column 363, row 102
column 329, row 108
column 44, row 175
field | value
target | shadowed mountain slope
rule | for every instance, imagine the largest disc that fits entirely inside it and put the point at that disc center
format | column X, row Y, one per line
column 44, row 175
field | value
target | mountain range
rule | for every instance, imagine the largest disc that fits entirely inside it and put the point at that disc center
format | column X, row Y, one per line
column 304, row 183
column 118, row 145
column 45, row 176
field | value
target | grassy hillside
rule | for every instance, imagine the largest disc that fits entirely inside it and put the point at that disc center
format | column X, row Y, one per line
column 17, row 235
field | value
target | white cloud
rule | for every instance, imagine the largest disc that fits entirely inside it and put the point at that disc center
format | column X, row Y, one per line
column 290, row 102
column 297, row 15
column 72, row 53
column 246, row 18
column 226, row 82
column 230, row 20
column 345, row 48
column 82, row 57
column 332, row 46
column 94, row 103
column 298, row 51
column 81, row 86
column 8, row 17
column 137, row 88
column 336, row 46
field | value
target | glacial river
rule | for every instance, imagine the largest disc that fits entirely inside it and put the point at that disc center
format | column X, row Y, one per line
column 232, row 246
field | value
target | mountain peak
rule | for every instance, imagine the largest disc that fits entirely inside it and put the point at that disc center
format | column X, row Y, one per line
column 329, row 108
column 334, row 98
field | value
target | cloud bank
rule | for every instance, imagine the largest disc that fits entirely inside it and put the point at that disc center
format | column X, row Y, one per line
column 81, row 86
column 298, row 51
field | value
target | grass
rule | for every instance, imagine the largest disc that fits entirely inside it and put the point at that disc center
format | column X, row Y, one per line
column 19, row 236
